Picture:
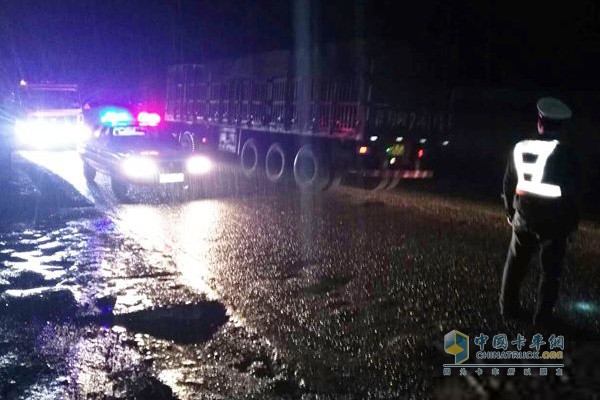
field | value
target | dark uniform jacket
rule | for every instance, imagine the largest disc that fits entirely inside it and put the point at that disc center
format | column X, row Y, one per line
column 546, row 216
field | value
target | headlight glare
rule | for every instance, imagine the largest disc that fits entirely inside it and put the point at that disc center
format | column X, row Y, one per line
column 139, row 167
column 45, row 133
column 198, row 165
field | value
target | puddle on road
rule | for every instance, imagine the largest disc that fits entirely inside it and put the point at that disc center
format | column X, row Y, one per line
column 51, row 277
column 150, row 258
column 91, row 362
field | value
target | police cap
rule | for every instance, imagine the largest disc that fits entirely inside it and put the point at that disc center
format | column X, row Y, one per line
column 553, row 109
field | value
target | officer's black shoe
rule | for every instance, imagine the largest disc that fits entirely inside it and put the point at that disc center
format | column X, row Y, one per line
column 512, row 313
column 543, row 319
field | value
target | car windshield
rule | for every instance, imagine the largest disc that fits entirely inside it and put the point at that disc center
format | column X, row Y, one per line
column 136, row 137
column 38, row 99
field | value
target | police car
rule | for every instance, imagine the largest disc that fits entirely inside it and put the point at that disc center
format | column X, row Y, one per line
column 135, row 152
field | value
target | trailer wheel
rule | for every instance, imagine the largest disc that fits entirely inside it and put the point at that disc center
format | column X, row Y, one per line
column 186, row 140
column 276, row 163
column 311, row 171
column 250, row 158
column 119, row 188
column 88, row 172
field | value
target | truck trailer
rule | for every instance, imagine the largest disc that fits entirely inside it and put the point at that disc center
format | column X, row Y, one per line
column 315, row 114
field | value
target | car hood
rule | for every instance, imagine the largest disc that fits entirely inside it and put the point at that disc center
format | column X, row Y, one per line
column 156, row 152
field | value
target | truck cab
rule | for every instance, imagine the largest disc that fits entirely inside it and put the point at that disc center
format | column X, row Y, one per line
column 49, row 115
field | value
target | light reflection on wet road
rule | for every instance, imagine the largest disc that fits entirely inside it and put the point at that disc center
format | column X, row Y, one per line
column 65, row 164
column 182, row 230
column 185, row 231
column 353, row 287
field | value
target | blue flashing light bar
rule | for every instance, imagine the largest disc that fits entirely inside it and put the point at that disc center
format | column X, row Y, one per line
column 114, row 116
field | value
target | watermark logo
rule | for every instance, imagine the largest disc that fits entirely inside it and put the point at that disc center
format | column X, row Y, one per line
column 457, row 344
column 499, row 353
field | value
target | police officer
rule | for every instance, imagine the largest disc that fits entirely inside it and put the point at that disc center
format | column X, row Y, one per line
column 542, row 187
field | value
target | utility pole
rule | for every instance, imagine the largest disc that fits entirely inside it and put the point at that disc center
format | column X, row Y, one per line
column 489, row 42
column 177, row 30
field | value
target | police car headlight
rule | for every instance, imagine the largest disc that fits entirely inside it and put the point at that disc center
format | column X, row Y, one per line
column 139, row 167
column 198, row 165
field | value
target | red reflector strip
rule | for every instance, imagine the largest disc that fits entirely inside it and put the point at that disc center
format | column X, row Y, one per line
column 417, row 174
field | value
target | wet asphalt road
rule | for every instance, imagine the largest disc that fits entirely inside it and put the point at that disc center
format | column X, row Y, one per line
column 346, row 294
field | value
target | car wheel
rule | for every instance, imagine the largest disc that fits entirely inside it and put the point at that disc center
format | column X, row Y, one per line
column 186, row 140
column 89, row 172
column 119, row 188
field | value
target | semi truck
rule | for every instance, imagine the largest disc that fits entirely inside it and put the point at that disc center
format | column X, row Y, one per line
column 47, row 115
column 314, row 115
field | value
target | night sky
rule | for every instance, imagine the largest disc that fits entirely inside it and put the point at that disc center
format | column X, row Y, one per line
column 103, row 43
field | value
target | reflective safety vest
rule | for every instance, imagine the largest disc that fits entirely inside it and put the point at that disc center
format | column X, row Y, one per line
column 530, row 171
